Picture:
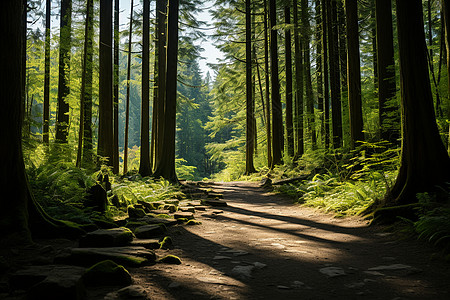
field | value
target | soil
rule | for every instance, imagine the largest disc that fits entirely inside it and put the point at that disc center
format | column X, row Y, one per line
column 262, row 246
column 285, row 251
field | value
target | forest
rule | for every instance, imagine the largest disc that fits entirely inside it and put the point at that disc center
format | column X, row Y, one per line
column 112, row 123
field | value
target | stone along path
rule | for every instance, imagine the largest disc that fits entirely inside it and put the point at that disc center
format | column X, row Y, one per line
column 261, row 246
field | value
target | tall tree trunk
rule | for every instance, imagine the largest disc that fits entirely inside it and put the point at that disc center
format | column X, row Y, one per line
column 288, row 53
column 105, row 122
column 161, row 12
column 83, row 84
column 333, row 45
column 277, row 114
column 354, row 74
column 388, row 113
column 127, row 105
column 24, row 26
column 342, row 36
column 145, row 168
column 88, row 157
column 326, row 89
column 115, row 161
column 23, row 214
column 62, row 117
column 166, row 165
column 267, row 82
column 374, row 47
column 307, row 68
column 446, row 14
column 298, row 61
column 46, row 106
column 319, row 72
column 249, row 144
column 424, row 160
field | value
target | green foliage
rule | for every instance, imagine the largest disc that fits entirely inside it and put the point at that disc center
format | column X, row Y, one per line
column 434, row 227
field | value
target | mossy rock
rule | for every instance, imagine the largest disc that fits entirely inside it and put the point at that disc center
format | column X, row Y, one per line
column 106, row 272
column 134, row 224
column 170, row 259
column 150, row 231
column 104, row 224
column 170, row 207
column 163, row 216
column 135, row 212
column 172, row 201
column 107, row 238
column 193, row 222
column 148, row 206
column 166, row 243
column 182, row 220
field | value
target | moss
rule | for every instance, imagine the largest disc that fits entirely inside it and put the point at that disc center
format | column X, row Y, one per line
column 182, row 220
column 193, row 222
column 106, row 272
column 166, row 243
column 170, row 259
column 163, row 216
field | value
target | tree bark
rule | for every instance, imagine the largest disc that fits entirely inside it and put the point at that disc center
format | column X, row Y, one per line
column 326, row 89
column 166, row 165
column 277, row 114
column 62, row 116
column 335, row 83
column 46, row 105
column 424, row 160
column 298, row 61
column 115, row 151
column 288, row 53
column 320, row 74
column 388, row 114
column 127, row 104
column 267, row 83
column 145, row 168
column 446, row 14
column 249, row 142
column 354, row 74
column 105, row 122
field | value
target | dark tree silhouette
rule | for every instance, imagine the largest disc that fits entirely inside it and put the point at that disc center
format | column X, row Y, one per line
column 46, row 108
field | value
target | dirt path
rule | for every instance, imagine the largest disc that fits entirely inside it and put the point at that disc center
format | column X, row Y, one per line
column 263, row 247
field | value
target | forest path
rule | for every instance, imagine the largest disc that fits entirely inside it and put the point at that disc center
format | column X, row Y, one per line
column 264, row 247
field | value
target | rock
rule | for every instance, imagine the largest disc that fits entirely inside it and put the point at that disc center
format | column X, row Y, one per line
column 174, row 285
column 216, row 211
column 149, row 231
column 214, row 202
column 172, row 201
column 259, row 265
column 200, row 207
column 129, row 256
column 151, row 220
column 160, row 212
column 113, row 237
column 215, row 195
column 221, row 257
column 134, row 292
column 106, row 272
column 243, row 271
column 166, row 243
column 235, row 252
column 187, row 208
column 50, row 282
column 170, row 207
column 193, row 222
column 332, row 271
column 135, row 224
column 283, row 287
column 96, row 198
column 397, row 268
column 135, row 212
column 148, row 206
column 104, row 224
column 183, row 215
column 146, row 243
column 265, row 182
column 170, row 259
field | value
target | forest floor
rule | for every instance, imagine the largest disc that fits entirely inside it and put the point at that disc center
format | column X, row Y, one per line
column 262, row 246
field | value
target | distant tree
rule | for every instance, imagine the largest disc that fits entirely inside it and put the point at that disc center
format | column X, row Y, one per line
column 115, row 151
column 354, row 74
column 277, row 114
column 46, row 108
column 145, row 167
column 127, row 103
column 333, row 45
column 105, row 122
column 446, row 14
column 267, row 87
column 424, row 159
column 310, row 119
column 326, row 89
column 166, row 165
column 288, row 67
column 298, row 62
column 388, row 114
column 249, row 141
column 62, row 116
column 319, row 72
column 85, row 122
